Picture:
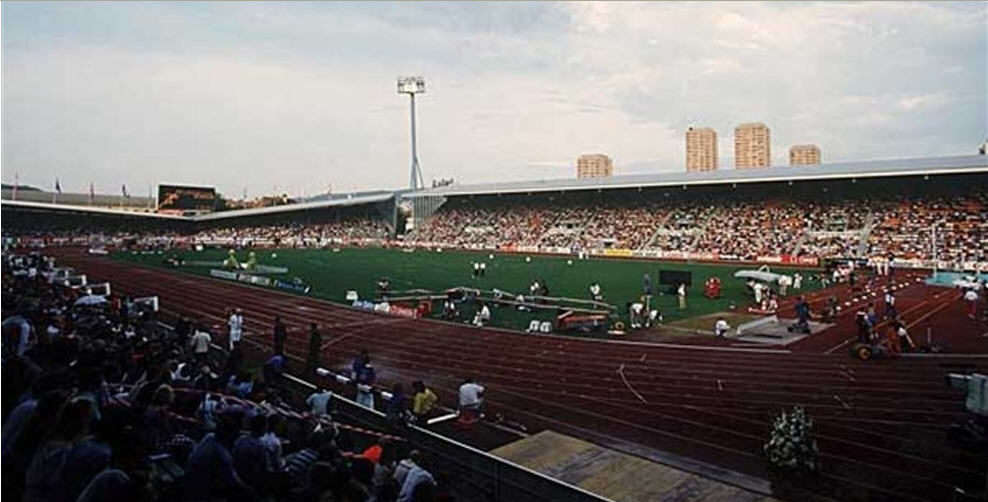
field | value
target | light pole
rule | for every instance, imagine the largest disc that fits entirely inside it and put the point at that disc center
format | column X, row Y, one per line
column 413, row 86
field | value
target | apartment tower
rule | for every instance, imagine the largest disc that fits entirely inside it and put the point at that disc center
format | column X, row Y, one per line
column 804, row 155
column 594, row 165
column 752, row 146
column 701, row 149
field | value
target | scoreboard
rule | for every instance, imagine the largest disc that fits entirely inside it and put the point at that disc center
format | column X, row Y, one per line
column 180, row 199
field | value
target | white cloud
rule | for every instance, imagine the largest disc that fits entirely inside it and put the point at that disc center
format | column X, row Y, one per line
column 303, row 95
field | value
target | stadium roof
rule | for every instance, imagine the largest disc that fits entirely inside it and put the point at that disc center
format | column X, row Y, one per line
column 48, row 206
column 220, row 215
column 340, row 201
column 851, row 170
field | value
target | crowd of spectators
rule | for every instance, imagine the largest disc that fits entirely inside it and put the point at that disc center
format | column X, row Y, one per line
column 101, row 402
column 739, row 228
column 295, row 234
column 732, row 229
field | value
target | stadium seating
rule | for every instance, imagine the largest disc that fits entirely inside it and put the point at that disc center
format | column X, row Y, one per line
column 731, row 229
column 735, row 228
column 101, row 398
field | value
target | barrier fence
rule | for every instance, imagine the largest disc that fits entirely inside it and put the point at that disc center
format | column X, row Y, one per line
column 499, row 479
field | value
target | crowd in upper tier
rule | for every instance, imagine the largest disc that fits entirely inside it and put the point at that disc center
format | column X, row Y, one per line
column 744, row 230
column 734, row 228
column 101, row 403
column 296, row 234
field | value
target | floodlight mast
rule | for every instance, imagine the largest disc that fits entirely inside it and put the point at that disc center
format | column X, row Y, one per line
column 413, row 86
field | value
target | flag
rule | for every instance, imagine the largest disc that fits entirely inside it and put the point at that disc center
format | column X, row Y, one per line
column 58, row 186
column 17, row 182
column 123, row 188
column 92, row 193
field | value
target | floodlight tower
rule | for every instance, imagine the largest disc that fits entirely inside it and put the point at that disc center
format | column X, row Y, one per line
column 413, row 86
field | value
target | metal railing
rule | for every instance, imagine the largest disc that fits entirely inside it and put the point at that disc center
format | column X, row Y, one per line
column 499, row 479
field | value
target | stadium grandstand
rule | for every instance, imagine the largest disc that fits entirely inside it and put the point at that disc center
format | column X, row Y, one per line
column 186, row 370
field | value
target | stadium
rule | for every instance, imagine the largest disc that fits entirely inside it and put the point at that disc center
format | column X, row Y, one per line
column 816, row 331
column 670, row 392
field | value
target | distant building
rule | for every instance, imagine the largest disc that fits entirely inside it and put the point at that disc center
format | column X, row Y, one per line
column 804, row 155
column 701, row 149
column 752, row 146
column 594, row 165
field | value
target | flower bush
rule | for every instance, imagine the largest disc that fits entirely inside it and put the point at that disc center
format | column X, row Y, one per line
column 791, row 446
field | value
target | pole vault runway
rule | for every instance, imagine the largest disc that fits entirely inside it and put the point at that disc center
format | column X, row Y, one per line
column 881, row 426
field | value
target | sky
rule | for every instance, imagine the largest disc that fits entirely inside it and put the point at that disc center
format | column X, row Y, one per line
column 301, row 97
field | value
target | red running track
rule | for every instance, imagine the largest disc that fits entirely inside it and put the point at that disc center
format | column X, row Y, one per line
column 880, row 425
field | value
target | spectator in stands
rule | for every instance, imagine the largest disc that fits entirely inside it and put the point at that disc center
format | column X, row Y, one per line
column 319, row 401
column 364, row 376
column 315, row 346
column 210, row 473
column 280, row 335
column 16, row 334
column 383, row 486
column 235, row 324
column 250, row 456
column 273, row 368
column 272, row 443
column 396, row 410
column 424, row 400
column 471, row 396
column 200, row 344
column 416, row 479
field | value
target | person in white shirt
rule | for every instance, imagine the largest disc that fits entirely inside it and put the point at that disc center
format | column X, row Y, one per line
column 483, row 269
column 797, row 281
column 200, row 344
column 784, row 283
column 758, row 288
column 236, row 325
column 681, row 293
column 971, row 297
column 471, row 395
column 483, row 315
column 635, row 315
column 595, row 292
column 318, row 402
column 721, row 327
